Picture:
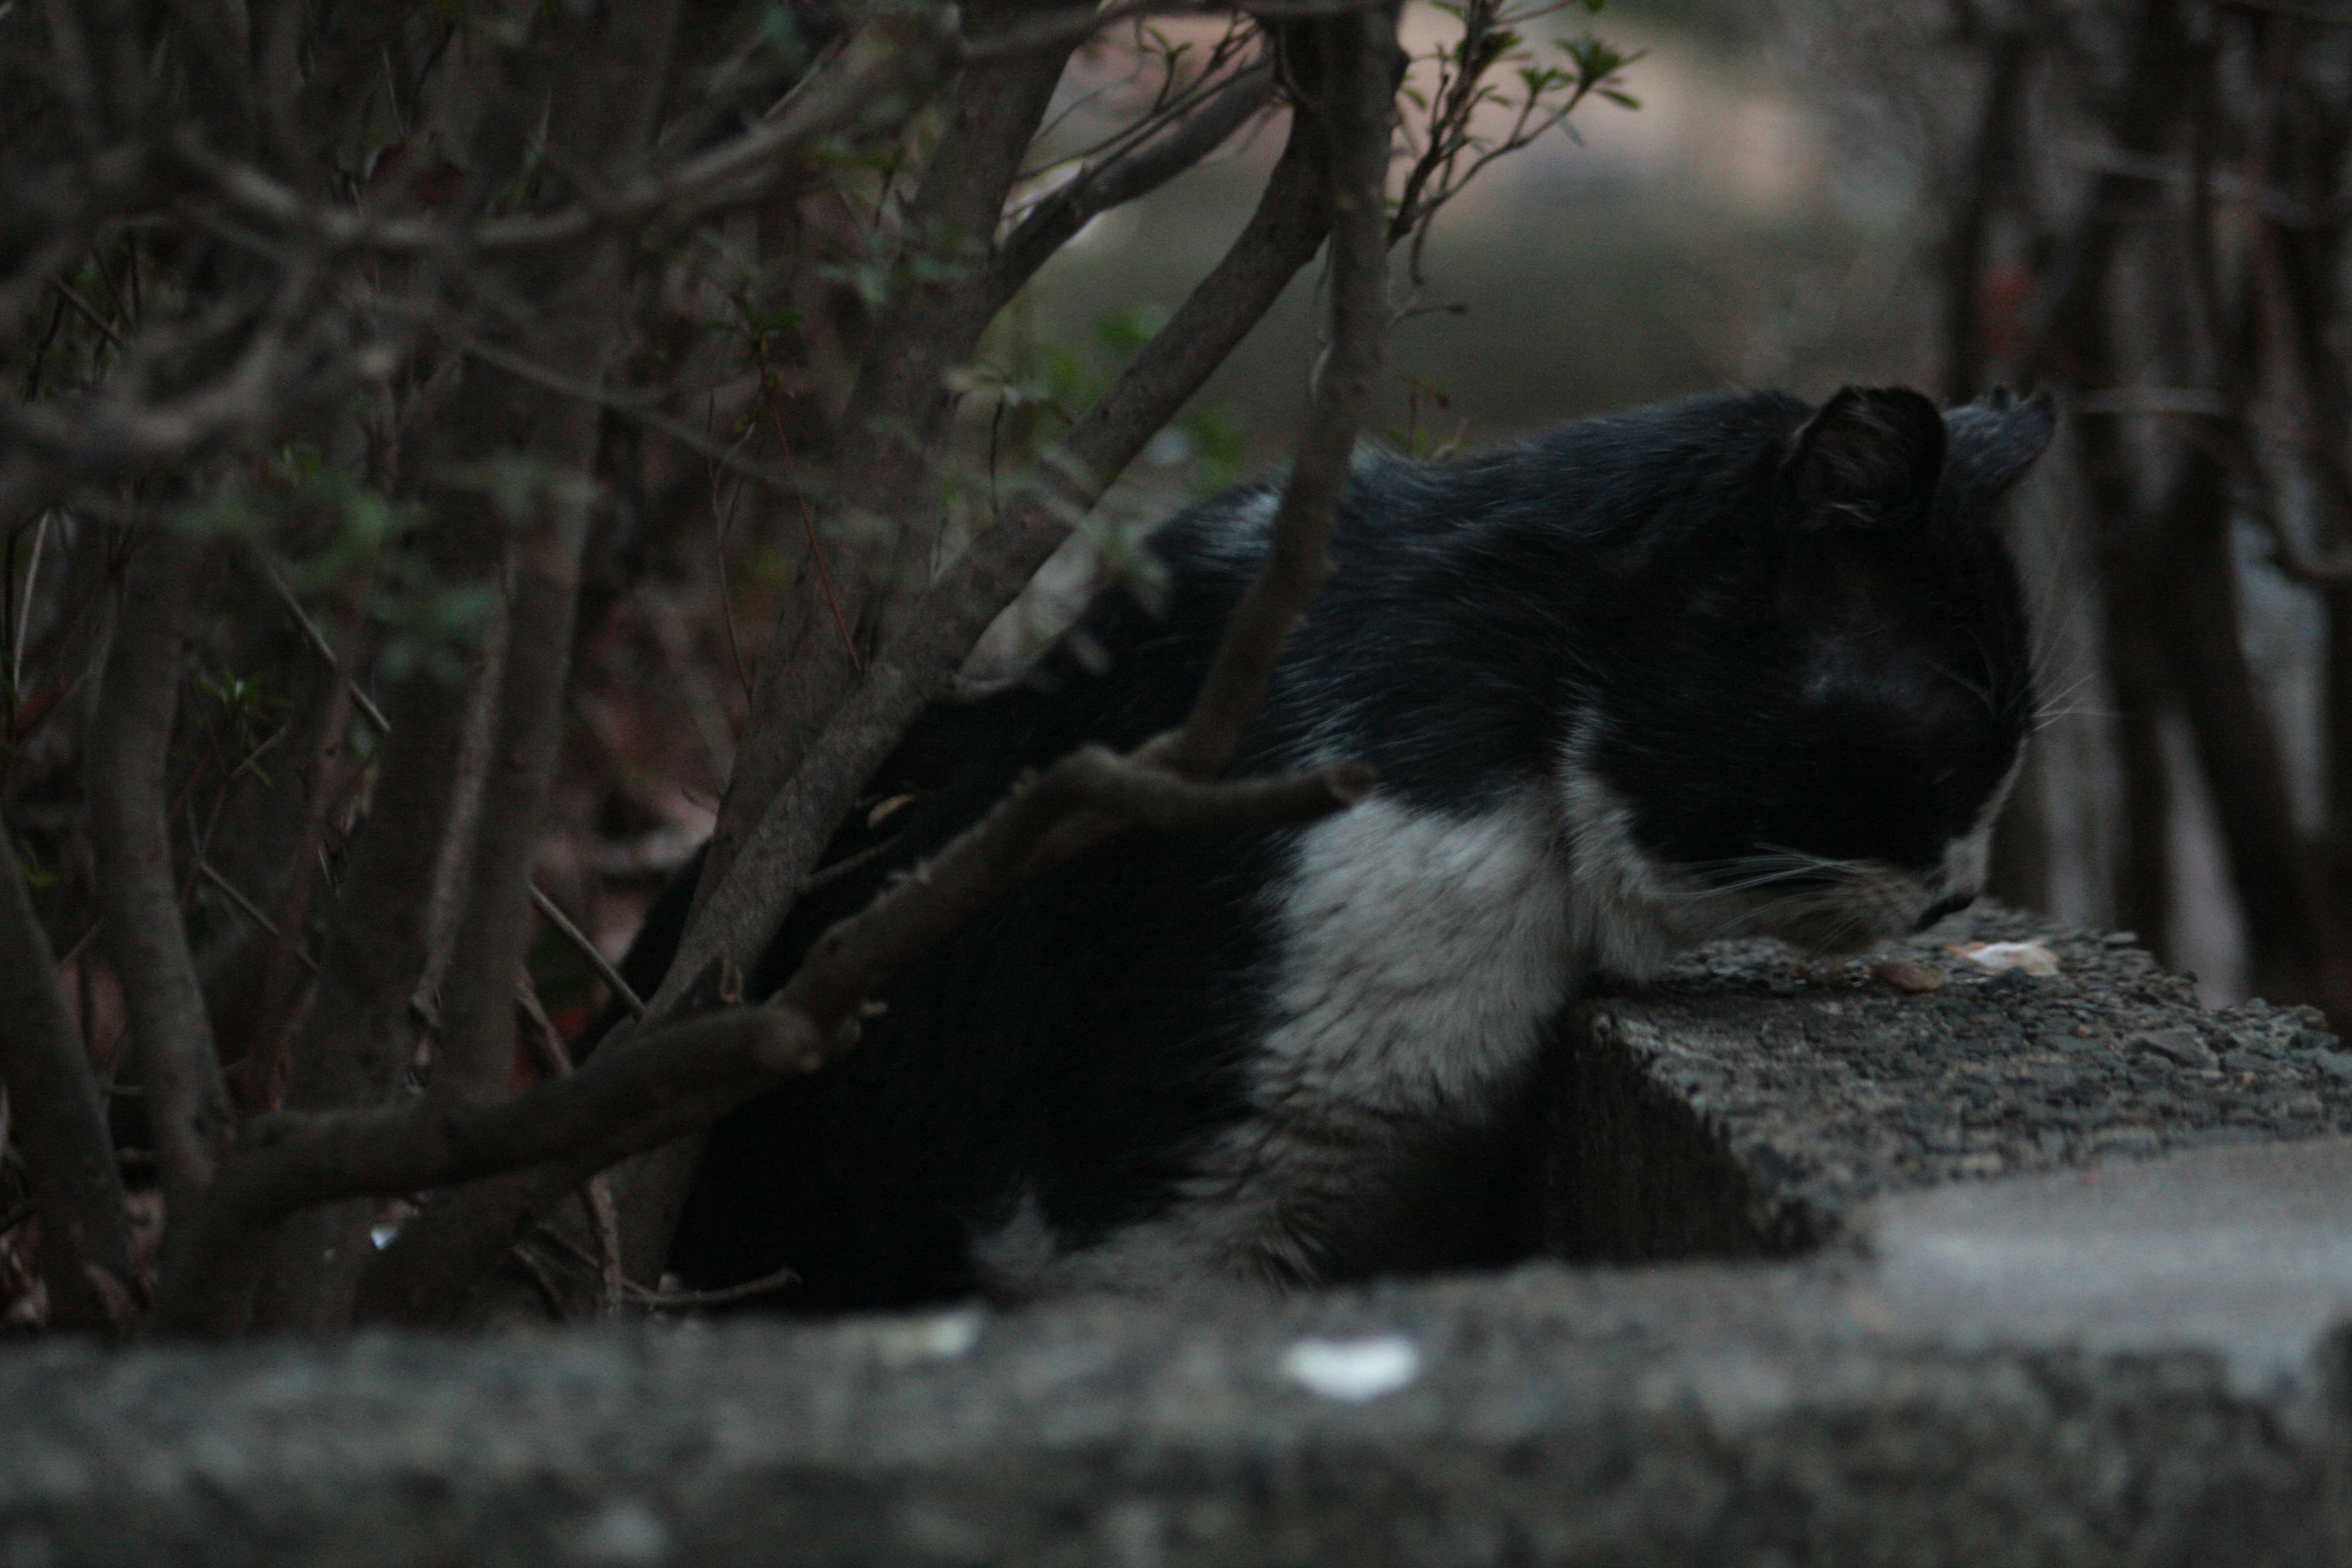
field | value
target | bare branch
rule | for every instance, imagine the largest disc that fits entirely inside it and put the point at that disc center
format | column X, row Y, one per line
column 1021, row 837
column 187, row 1101
column 294, row 1161
column 477, row 1053
column 879, row 76
column 1135, row 173
column 747, row 903
column 1075, row 24
column 1357, row 106
column 648, row 1089
column 931, row 324
column 359, row 1033
column 60, row 1124
column 579, row 943
column 424, row 1275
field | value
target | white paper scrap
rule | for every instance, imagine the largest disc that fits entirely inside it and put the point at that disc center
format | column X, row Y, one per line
column 1353, row 1370
column 2030, row 956
column 942, row 1336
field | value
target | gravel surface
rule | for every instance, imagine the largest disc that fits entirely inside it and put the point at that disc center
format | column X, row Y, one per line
column 1744, row 1103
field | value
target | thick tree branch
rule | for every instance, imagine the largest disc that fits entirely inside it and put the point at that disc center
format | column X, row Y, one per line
column 60, row 1125
column 1356, row 109
column 747, row 903
column 187, row 1103
column 882, row 482
column 292, row 1162
column 1288, row 223
column 476, row 1058
column 1021, row 837
column 359, row 1034
column 658, row 1085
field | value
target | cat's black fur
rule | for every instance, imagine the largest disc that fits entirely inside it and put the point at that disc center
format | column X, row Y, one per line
column 1732, row 665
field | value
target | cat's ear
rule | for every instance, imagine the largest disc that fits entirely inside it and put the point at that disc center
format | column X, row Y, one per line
column 1870, row 459
column 1992, row 442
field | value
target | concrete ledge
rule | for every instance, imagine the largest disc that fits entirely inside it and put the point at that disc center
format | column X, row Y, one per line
column 2108, row 1361
column 1744, row 1105
column 1696, row 1414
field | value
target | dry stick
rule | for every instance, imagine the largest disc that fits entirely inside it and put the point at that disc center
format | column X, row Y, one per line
column 1021, row 837
column 1300, row 558
column 187, row 1100
column 686, row 1301
column 59, row 1126
column 25, row 616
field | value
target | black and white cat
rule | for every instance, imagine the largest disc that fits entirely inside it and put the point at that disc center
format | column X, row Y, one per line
column 1732, row 666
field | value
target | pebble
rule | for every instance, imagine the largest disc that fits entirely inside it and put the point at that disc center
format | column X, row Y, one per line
column 1910, row 974
column 2180, row 1044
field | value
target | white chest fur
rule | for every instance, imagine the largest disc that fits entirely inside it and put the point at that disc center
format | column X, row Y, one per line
column 1420, row 957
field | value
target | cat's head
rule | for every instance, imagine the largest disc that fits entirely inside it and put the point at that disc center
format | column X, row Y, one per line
column 1828, row 696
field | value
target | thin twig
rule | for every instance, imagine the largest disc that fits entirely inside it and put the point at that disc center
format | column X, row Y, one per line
column 572, row 934
column 252, row 911
column 188, row 1102
column 25, row 616
column 588, row 949
column 689, row 1300
column 326, row 651
column 82, row 308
